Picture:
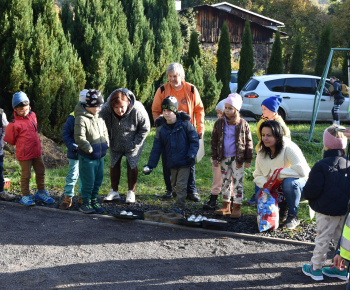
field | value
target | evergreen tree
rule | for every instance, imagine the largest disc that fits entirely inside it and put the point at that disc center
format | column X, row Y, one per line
column 296, row 65
column 275, row 65
column 193, row 50
column 323, row 50
column 223, row 66
column 194, row 75
column 246, row 60
column 345, row 66
column 211, row 93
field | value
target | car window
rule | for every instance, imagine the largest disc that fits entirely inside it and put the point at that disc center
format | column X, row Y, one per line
column 234, row 77
column 327, row 84
column 251, row 85
column 275, row 85
column 300, row 86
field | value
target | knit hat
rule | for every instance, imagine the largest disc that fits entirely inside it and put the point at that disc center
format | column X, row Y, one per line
column 82, row 96
column 333, row 142
column 18, row 98
column 234, row 100
column 94, row 98
column 171, row 104
column 221, row 105
column 272, row 103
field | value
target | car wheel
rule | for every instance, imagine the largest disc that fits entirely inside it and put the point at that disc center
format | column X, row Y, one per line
column 282, row 113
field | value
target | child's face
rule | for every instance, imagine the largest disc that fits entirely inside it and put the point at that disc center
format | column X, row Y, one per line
column 230, row 111
column 266, row 113
column 219, row 113
column 22, row 111
column 169, row 116
column 93, row 110
column 121, row 108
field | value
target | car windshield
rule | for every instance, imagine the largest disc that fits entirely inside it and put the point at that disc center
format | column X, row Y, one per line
column 234, row 77
column 251, row 85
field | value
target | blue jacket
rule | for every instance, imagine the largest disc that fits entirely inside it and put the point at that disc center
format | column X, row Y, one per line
column 180, row 143
column 68, row 137
column 337, row 92
column 328, row 187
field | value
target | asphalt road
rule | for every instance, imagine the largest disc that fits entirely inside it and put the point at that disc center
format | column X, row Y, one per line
column 42, row 249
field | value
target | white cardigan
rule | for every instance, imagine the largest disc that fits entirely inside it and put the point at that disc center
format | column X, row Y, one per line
column 291, row 159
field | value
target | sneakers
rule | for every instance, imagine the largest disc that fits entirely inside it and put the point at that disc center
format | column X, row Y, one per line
column 334, row 272
column 87, row 208
column 112, row 195
column 130, row 197
column 97, row 207
column 283, row 211
column 43, row 196
column 7, row 196
column 168, row 194
column 27, row 200
column 291, row 222
column 252, row 201
column 179, row 210
column 66, row 203
column 314, row 274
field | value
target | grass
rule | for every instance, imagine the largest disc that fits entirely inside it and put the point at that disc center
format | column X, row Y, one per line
column 150, row 187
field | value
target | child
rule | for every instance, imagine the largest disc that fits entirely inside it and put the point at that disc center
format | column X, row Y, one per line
column 328, row 192
column 128, row 125
column 269, row 108
column 217, row 180
column 177, row 138
column 231, row 146
column 91, row 136
column 3, row 123
column 72, row 154
column 22, row 131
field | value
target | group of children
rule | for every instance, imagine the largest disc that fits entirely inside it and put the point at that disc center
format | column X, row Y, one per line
column 86, row 137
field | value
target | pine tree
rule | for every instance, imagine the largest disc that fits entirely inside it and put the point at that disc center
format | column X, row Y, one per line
column 296, row 65
column 323, row 50
column 246, row 60
column 275, row 65
column 193, row 50
column 223, row 66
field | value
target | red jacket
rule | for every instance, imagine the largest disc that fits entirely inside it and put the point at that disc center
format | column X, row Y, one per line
column 23, row 132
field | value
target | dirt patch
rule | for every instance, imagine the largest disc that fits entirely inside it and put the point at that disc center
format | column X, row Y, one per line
column 53, row 155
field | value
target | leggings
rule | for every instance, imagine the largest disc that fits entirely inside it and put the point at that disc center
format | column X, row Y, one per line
column 115, row 173
column 336, row 107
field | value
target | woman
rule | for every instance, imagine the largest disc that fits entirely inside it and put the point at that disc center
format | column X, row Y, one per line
column 276, row 152
column 189, row 102
column 338, row 99
column 128, row 126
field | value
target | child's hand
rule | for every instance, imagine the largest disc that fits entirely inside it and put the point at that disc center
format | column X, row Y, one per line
column 339, row 262
column 147, row 170
column 200, row 135
column 216, row 163
column 247, row 165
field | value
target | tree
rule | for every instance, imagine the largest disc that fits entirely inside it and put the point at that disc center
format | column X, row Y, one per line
column 223, row 66
column 296, row 65
column 246, row 60
column 324, row 48
column 193, row 50
column 345, row 66
column 194, row 75
column 275, row 65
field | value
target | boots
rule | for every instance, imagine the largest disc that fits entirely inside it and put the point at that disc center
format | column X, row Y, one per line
column 236, row 211
column 66, row 203
column 225, row 210
column 212, row 203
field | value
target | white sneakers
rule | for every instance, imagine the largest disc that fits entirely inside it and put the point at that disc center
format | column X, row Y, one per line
column 112, row 195
column 130, row 197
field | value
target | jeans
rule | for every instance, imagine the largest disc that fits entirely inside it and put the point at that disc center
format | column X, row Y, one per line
column 72, row 177
column 292, row 189
column 2, row 182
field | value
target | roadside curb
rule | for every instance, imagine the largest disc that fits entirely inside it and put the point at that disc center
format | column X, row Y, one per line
column 166, row 225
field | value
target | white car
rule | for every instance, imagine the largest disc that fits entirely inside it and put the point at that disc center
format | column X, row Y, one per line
column 233, row 81
column 298, row 94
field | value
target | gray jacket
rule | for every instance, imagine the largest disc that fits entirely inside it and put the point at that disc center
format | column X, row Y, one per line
column 127, row 135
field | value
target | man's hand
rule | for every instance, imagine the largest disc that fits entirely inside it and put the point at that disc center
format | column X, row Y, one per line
column 200, row 135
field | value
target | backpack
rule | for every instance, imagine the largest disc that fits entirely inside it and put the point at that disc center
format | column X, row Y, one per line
column 345, row 90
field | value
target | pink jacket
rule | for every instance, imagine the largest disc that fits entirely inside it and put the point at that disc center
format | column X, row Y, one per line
column 23, row 132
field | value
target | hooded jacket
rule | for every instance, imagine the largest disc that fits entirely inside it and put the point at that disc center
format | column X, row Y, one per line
column 90, row 133
column 328, row 186
column 68, row 137
column 180, row 142
column 127, row 134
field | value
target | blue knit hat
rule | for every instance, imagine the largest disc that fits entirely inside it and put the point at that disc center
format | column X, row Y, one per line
column 272, row 103
column 18, row 98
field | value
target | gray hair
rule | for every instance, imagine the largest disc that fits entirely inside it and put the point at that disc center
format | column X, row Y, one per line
column 177, row 68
